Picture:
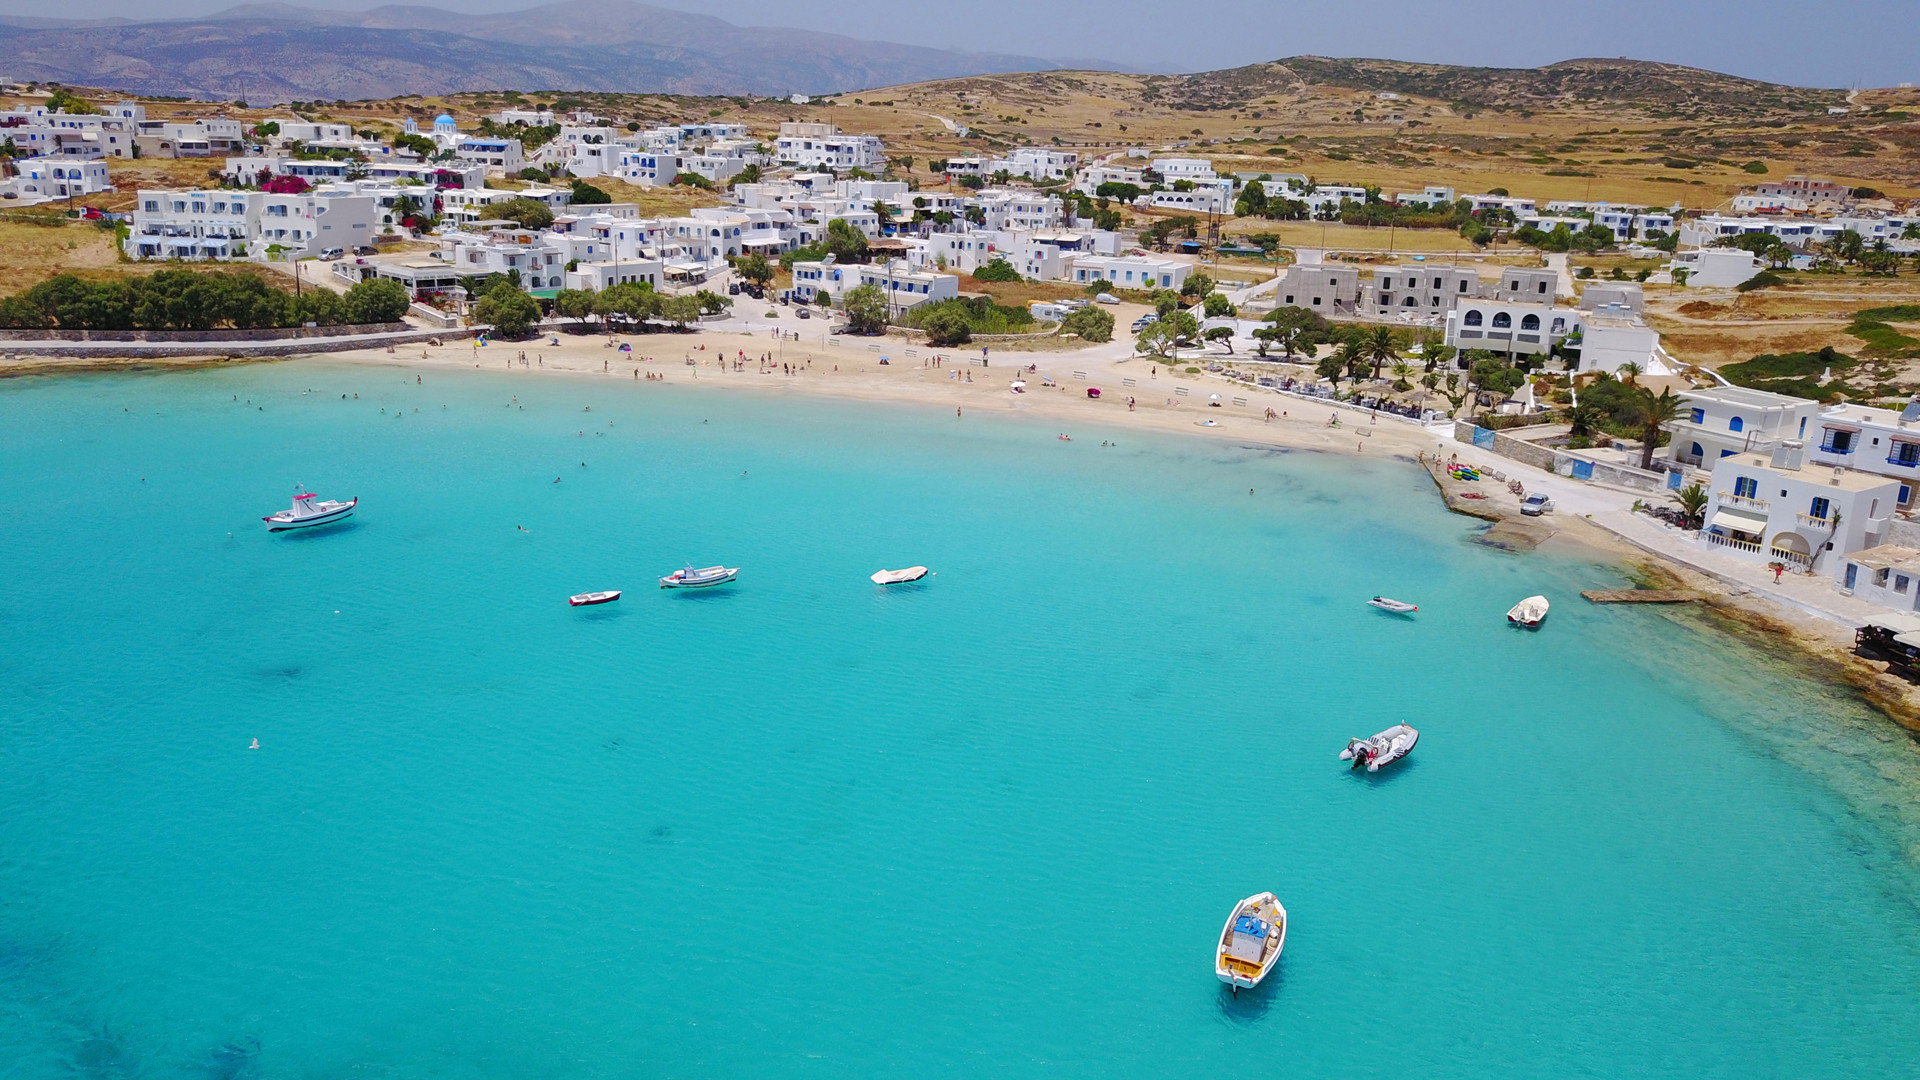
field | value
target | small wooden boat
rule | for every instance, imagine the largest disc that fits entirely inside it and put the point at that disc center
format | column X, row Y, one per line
column 1529, row 612
column 705, row 577
column 588, row 599
column 1389, row 746
column 1251, row 941
column 1398, row 607
column 897, row 577
column 308, row 510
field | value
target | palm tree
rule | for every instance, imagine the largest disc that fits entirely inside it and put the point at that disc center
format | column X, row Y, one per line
column 1582, row 418
column 1331, row 367
column 1693, row 502
column 1403, row 373
column 1654, row 413
column 1354, row 357
column 1630, row 371
column 1380, row 349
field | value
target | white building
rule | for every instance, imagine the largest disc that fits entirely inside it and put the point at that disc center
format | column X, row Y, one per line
column 823, row 146
column 46, row 178
column 1008, row 208
column 903, row 286
column 1037, row 163
column 1504, row 326
column 209, row 137
column 1723, row 421
column 226, row 224
column 1093, row 176
column 1869, row 440
column 1715, row 268
column 1775, row 508
column 539, row 260
column 1426, row 289
column 503, row 155
column 1171, row 169
column 1212, row 196
column 1131, row 271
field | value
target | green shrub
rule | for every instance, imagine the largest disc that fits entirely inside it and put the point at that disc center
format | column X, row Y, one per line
column 997, row 270
column 1089, row 324
column 1763, row 279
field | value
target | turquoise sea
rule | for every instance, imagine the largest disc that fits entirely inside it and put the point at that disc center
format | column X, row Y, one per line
column 804, row 827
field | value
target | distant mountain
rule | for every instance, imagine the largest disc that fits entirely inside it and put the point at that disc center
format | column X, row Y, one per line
column 278, row 52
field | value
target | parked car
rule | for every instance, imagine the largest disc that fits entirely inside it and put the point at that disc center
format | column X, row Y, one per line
column 1106, row 298
column 802, row 313
column 330, row 254
column 733, row 288
column 1144, row 321
column 366, row 249
column 1536, row 504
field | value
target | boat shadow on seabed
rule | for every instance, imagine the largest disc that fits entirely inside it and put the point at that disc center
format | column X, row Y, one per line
column 1252, row 1005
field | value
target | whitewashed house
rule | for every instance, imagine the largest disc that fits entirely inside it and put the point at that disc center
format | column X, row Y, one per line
column 823, row 146
column 1715, row 268
column 1778, row 508
column 1505, row 326
column 227, row 224
column 1036, row 163
column 1131, row 271
column 47, row 178
column 903, row 286
column 1722, row 421
column 497, row 154
column 1869, row 440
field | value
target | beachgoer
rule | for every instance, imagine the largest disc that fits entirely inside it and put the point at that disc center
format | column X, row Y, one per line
column 255, row 746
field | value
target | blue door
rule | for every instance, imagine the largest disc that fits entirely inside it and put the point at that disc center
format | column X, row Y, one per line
column 1853, row 571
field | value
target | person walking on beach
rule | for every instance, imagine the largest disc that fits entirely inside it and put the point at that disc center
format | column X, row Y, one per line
column 1129, row 404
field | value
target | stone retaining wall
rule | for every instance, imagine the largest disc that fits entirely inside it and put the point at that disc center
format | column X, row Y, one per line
column 137, row 350
column 276, row 334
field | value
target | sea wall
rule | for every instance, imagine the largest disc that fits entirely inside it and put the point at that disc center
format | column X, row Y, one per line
column 275, row 334
column 1561, row 462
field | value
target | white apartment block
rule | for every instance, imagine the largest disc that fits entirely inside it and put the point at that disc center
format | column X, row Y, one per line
column 1006, row 208
column 226, row 224
column 46, row 178
column 903, row 286
column 504, row 155
column 1037, row 163
column 1093, row 176
column 1715, row 268
column 1503, row 326
column 35, row 130
column 39, row 140
column 1775, row 507
column 309, row 131
column 1431, row 195
column 1171, row 169
column 822, row 146
column 1722, row 421
column 1212, row 196
column 540, row 260
column 529, row 117
column 1131, row 271
column 212, row 137
column 1869, row 440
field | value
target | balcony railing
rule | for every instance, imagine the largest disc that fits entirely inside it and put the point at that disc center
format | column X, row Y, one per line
column 1828, row 448
column 1907, row 462
column 1816, row 522
column 1743, row 500
column 1727, row 541
column 1792, row 558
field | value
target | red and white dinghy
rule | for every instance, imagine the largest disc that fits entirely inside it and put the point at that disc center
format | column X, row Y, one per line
column 308, row 510
column 588, row 599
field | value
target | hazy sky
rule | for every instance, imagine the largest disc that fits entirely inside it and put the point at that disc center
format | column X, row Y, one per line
column 1820, row 43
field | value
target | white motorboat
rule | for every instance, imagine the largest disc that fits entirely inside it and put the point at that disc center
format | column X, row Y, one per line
column 1398, row 607
column 1529, row 612
column 308, row 510
column 588, row 599
column 1389, row 746
column 701, row 578
column 1251, row 941
column 897, row 577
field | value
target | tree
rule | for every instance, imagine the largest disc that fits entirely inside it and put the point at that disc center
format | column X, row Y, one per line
column 866, row 308
column 526, row 213
column 1198, row 285
column 1354, row 357
column 1222, row 334
column 1630, row 371
column 680, row 310
column 844, row 242
column 419, row 144
column 1380, row 349
column 748, row 175
column 1164, row 336
column 997, row 270
column 1653, row 413
column 712, row 303
column 1403, row 373
column 585, row 194
column 754, row 268
column 947, row 326
column 1331, row 367
column 1090, row 324
column 1218, row 306
column 576, row 304
column 266, row 129
column 1693, row 503
column 510, row 312
column 376, row 301
column 636, row 301
column 1294, row 329
column 65, row 100
column 1455, row 394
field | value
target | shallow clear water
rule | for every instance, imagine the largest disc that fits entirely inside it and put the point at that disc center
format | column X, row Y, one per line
column 807, row 827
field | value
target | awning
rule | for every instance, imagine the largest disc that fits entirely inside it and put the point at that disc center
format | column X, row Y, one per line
column 1739, row 520
column 1900, row 622
column 1909, row 639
